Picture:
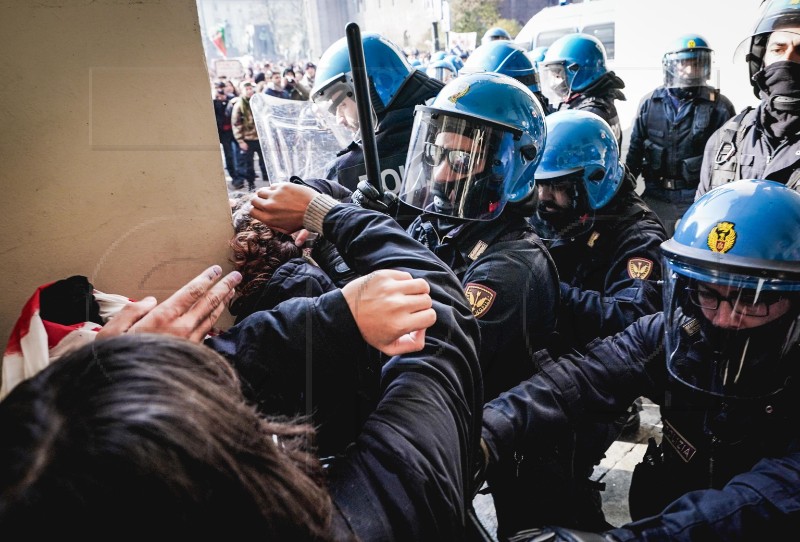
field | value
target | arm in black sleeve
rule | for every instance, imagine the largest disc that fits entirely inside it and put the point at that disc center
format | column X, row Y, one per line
column 408, row 475
column 587, row 314
column 606, row 379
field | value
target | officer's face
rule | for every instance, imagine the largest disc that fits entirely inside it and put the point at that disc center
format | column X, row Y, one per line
column 347, row 113
column 453, row 166
column 738, row 308
column 557, row 196
column 783, row 44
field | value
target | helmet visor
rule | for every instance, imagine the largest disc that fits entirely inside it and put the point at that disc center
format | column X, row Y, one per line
column 557, row 81
column 336, row 104
column 726, row 338
column 687, row 69
column 457, row 166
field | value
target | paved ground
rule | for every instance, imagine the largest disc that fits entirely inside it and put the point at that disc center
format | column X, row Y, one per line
column 615, row 470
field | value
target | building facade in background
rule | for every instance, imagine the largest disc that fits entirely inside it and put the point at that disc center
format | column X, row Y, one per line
column 299, row 30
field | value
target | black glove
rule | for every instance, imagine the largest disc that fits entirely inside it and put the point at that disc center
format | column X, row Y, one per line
column 330, row 261
column 558, row 534
column 368, row 197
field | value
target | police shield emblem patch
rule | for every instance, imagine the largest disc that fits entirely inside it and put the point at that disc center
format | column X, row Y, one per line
column 722, row 237
column 639, row 268
column 480, row 298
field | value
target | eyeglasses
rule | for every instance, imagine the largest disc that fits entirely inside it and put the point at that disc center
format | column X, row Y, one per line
column 460, row 161
column 742, row 302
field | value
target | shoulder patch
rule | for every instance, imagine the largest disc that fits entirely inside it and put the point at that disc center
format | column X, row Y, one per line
column 639, row 268
column 480, row 298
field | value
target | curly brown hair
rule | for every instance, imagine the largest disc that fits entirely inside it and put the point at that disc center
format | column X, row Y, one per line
column 257, row 252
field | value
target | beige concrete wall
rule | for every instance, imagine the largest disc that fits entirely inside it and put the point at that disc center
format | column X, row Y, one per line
column 110, row 162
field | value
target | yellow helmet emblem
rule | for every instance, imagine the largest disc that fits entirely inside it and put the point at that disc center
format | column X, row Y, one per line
column 722, row 237
column 691, row 44
column 460, row 94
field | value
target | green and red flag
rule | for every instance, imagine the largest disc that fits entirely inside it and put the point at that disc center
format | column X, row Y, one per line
column 218, row 38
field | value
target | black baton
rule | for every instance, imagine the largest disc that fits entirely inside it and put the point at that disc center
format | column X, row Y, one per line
column 364, row 104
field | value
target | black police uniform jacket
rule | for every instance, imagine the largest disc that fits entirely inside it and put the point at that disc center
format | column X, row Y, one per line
column 755, row 155
column 666, row 146
column 407, row 476
column 512, row 285
column 727, row 473
column 608, row 273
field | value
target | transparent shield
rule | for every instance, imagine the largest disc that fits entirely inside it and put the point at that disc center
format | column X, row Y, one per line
column 295, row 138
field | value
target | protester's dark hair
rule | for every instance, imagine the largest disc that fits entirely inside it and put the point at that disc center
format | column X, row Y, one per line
column 258, row 251
column 143, row 434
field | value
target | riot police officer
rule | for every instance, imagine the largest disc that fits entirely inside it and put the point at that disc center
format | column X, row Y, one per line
column 604, row 239
column 495, row 34
column 672, row 127
column 395, row 89
column 720, row 360
column 575, row 76
column 443, row 70
column 763, row 142
column 470, row 173
column 605, row 243
column 508, row 58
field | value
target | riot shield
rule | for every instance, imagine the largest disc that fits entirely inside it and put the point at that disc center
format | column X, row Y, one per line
column 295, row 137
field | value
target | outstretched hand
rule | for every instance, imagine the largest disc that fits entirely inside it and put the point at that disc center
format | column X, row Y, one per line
column 189, row 313
column 392, row 310
column 282, row 206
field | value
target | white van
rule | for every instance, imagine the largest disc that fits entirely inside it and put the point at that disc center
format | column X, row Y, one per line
column 636, row 33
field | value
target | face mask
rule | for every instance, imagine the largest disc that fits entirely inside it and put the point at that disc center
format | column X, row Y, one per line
column 779, row 84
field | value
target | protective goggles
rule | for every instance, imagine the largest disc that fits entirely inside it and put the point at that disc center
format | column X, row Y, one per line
column 459, row 161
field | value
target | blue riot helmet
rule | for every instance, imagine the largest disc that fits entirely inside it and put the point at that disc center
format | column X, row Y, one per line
column 581, row 161
column 493, row 34
column 537, row 55
column 443, row 70
column 774, row 15
column 469, row 159
column 732, row 291
column 687, row 63
column 572, row 63
column 387, row 68
column 457, row 62
column 504, row 57
column 438, row 55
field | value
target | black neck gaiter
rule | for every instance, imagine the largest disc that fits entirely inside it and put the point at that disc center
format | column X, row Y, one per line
column 779, row 84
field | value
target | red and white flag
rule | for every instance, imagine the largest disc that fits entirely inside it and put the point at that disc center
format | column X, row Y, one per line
column 35, row 343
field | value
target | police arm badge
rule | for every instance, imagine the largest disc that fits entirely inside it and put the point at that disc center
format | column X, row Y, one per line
column 480, row 298
column 639, row 268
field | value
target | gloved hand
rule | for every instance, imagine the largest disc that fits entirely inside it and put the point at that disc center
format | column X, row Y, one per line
column 330, row 261
column 558, row 534
column 368, row 197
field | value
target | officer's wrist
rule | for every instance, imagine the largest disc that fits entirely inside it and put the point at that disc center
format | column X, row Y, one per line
column 316, row 211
